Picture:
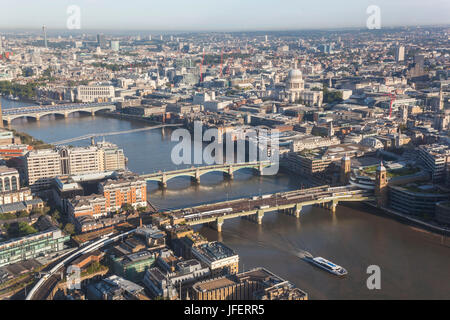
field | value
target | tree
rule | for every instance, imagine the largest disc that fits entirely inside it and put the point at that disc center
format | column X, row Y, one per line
column 69, row 228
column 56, row 216
column 27, row 72
column 21, row 214
column 127, row 207
column 141, row 209
column 25, row 229
column 331, row 96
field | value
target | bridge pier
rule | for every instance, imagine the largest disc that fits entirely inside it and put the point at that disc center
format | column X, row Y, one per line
column 297, row 210
column 256, row 217
column 294, row 211
column 333, row 205
column 196, row 178
column 228, row 176
column 162, row 185
column 230, row 173
column 163, row 182
column 260, row 169
column 217, row 225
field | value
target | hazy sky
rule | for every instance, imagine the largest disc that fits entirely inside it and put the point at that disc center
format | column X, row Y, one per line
column 220, row 15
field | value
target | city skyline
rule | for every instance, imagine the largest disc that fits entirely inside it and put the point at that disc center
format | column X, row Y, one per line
column 205, row 16
column 256, row 151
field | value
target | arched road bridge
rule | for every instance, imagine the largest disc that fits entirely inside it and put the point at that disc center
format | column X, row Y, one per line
column 196, row 172
column 65, row 110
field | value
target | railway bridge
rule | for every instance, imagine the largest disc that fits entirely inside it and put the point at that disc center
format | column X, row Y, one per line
column 290, row 203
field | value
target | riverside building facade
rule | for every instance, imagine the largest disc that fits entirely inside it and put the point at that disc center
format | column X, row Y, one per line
column 42, row 166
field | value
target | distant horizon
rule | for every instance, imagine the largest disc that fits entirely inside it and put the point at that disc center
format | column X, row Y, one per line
column 159, row 31
column 214, row 16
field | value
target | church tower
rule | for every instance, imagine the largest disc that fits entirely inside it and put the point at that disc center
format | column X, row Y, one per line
column 381, row 185
column 345, row 170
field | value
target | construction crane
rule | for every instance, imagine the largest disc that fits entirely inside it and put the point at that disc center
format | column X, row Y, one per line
column 393, row 97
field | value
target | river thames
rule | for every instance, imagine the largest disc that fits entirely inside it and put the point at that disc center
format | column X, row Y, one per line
column 414, row 263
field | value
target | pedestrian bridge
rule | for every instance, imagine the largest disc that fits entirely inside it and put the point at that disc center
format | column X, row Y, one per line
column 65, row 110
column 196, row 172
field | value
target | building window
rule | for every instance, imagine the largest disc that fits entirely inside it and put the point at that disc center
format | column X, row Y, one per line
column 7, row 184
column 14, row 183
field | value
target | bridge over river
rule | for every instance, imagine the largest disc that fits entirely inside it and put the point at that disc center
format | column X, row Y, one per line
column 289, row 203
column 196, row 172
column 37, row 112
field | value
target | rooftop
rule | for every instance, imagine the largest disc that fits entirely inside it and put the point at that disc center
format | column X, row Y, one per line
column 214, row 251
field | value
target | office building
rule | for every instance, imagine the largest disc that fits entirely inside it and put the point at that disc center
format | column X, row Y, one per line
column 95, row 93
column 218, row 257
column 255, row 284
column 101, row 41
column 115, row 46
column 80, row 160
column 115, row 288
column 436, row 158
column 443, row 212
column 9, row 179
column 400, row 53
column 41, row 167
column 111, row 157
column 14, row 151
column 169, row 284
column 128, row 188
column 416, row 199
column 32, row 246
column 133, row 266
column 6, row 136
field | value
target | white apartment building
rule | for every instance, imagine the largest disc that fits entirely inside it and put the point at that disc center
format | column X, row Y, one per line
column 111, row 157
column 95, row 93
column 41, row 166
column 80, row 160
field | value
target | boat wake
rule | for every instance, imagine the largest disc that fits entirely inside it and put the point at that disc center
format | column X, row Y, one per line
column 302, row 254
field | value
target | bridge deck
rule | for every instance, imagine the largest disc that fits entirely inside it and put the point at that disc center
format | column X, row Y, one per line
column 279, row 201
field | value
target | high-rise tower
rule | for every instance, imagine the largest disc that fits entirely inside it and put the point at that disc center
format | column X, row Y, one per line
column 441, row 99
column 44, row 30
